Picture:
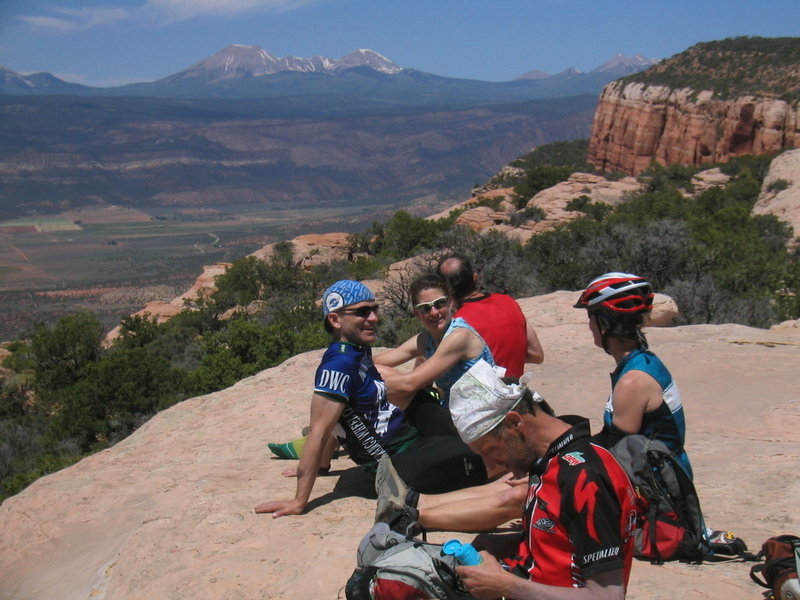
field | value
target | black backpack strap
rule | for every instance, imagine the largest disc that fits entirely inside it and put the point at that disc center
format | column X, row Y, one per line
column 651, row 524
column 753, row 574
column 772, row 569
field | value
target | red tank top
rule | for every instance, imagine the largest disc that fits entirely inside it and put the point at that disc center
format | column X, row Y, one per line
column 500, row 322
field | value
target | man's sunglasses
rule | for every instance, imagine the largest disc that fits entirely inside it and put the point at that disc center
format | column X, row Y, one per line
column 438, row 304
column 362, row 312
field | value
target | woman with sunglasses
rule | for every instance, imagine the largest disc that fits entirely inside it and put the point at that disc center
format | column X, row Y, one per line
column 444, row 351
column 350, row 401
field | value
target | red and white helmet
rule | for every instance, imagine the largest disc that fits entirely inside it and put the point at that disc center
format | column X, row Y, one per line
column 620, row 293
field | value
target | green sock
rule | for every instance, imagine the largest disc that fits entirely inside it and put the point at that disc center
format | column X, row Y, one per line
column 293, row 449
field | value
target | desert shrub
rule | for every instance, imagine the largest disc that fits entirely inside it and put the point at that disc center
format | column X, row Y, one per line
column 570, row 153
column 756, row 166
column 557, row 259
column 493, row 203
column 529, row 213
column 659, row 177
column 787, row 302
column 62, row 353
column 540, row 178
column 243, row 282
column 250, row 279
column 703, row 301
column 396, row 327
column 579, row 203
column 778, row 185
column 118, row 392
column 596, row 211
column 364, row 267
column 405, row 236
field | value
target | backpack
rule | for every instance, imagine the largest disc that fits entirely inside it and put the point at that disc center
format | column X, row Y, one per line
column 781, row 566
column 670, row 523
column 392, row 566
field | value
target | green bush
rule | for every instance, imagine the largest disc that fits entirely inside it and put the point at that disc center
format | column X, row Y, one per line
column 529, row 213
column 596, row 211
column 778, row 186
column 540, row 178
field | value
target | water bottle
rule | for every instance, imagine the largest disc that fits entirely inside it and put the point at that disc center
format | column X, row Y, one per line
column 465, row 553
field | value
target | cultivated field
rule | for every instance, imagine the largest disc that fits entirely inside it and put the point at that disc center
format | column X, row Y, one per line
column 112, row 260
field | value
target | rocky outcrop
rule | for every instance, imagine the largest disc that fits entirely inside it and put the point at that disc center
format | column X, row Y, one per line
column 780, row 191
column 313, row 249
column 551, row 204
column 705, row 180
column 636, row 124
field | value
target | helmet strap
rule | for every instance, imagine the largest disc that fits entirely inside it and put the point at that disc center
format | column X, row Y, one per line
column 620, row 328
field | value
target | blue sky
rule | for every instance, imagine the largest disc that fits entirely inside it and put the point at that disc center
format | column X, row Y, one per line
column 111, row 42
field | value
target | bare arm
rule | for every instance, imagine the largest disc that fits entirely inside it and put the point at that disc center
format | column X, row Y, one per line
column 635, row 394
column 489, row 580
column 461, row 344
column 325, row 414
column 403, row 353
column 535, row 353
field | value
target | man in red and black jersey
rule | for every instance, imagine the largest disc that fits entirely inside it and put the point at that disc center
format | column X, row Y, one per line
column 580, row 512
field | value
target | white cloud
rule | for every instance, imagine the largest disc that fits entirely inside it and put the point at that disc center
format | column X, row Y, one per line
column 90, row 17
column 67, row 19
column 182, row 10
column 49, row 23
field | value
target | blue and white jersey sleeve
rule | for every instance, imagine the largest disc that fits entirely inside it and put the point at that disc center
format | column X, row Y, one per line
column 337, row 375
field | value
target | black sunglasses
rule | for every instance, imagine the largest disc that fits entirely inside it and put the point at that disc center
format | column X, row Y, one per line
column 438, row 304
column 362, row 312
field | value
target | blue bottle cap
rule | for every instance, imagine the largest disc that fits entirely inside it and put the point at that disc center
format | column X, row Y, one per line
column 451, row 547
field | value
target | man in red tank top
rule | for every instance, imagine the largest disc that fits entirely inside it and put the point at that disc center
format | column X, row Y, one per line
column 496, row 317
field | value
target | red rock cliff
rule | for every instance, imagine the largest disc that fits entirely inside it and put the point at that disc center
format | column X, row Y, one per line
column 635, row 124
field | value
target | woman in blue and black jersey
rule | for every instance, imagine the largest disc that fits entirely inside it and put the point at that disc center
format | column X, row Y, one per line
column 644, row 397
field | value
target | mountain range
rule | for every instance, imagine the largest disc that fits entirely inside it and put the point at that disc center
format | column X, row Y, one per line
column 618, row 65
column 246, row 127
column 239, row 71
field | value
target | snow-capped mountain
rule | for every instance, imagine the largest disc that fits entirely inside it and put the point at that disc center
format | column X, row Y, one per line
column 12, row 82
column 620, row 64
column 237, row 61
column 239, row 71
column 366, row 58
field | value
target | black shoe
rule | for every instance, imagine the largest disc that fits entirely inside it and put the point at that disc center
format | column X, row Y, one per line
column 725, row 542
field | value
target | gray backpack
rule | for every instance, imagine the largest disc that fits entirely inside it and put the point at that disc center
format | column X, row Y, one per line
column 670, row 525
column 392, row 566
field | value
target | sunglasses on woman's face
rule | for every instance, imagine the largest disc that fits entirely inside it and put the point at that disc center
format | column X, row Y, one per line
column 438, row 304
column 362, row 312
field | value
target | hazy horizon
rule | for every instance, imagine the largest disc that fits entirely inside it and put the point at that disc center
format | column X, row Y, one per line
column 100, row 43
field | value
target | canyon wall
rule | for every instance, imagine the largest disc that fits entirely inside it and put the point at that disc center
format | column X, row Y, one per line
column 636, row 124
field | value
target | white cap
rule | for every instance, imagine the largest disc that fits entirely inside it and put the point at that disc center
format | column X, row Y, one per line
column 480, row 400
